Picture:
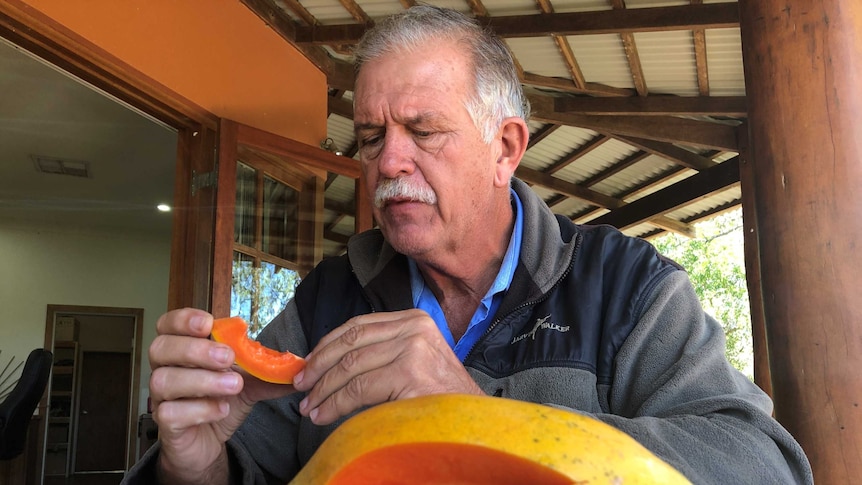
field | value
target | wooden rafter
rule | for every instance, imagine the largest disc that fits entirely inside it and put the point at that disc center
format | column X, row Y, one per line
column 686, row 17
column 669, row 199
column 634, row 59
column 680, row 156
column 541, row 134
column 568, row 85
column 729, row 106
column 699, row 37
column 661, row 128
column 575, row 190
column 577, row 153
column 477, row 8
column 300, row 11
column 565, row 49
column 356, row 11
column 616, row 168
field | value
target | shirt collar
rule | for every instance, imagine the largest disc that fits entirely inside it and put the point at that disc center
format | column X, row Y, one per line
column 507, row 268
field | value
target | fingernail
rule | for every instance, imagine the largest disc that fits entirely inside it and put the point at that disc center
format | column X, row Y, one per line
column 297, row 379
column 303, row 404
column 197, row 323
column 224, row 408
column 220, row 355
column 313, row 414
column 229, row 381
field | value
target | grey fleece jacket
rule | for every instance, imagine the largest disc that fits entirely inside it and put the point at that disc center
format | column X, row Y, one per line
column 595, row 322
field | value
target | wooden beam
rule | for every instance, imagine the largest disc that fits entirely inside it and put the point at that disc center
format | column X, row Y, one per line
column 678, row 155
column 686, row 17
column 356, row 11
column 300, row 11
column 615, row 168
column 569, row 86
column 577, row 153
column 661, row 128
column 730, row 106
column 631, row 50
column 541, row 134
column 572, row 190
column 671, row 198
column 340, row 107
column 699, row 39
column 565, row 49
column 567, row 188
column 477, row 8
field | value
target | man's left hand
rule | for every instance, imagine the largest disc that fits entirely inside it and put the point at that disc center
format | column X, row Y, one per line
column 376, row 358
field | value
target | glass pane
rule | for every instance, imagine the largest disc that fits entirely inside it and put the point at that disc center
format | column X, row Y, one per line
column 277, row 286
column 242, row 286
column 243, row 229
column 259, row 293
column 280, row 219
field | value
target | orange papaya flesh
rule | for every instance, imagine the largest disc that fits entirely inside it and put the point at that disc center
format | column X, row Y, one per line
column 444, row 463
column 262, row 362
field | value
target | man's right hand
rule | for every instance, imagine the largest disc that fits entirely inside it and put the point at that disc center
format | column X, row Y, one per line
column 199, row 398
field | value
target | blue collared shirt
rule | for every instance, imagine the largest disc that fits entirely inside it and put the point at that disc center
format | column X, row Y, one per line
column 424, row 299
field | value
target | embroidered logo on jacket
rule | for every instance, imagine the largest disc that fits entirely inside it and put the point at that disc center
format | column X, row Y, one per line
column 541, row 324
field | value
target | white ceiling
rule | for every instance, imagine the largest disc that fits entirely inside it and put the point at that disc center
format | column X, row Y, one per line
column 44, row 112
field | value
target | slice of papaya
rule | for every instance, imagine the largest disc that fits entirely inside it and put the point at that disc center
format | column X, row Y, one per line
column 262, row 362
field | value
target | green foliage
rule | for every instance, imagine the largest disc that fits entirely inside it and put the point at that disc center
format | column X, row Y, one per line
column 715, row 263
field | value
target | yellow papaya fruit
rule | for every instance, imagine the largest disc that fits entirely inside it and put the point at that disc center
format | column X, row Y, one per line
column 475, row 440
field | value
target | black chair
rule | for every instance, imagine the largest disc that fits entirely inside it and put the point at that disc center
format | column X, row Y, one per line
column 16, row 410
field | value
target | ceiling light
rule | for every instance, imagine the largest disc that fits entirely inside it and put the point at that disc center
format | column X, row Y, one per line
column 163, row 207
column 59, row 166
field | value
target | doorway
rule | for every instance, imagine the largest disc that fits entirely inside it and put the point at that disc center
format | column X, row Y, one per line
column 90, row 434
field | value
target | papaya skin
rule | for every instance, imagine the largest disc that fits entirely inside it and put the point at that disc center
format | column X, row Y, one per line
column 580, row 448
column 264, row 363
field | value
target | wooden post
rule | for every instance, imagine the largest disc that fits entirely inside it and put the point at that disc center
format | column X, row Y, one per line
column 802, row 62
column 751, row 233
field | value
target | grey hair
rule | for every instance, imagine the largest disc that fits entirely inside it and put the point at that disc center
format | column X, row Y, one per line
column 497, row 92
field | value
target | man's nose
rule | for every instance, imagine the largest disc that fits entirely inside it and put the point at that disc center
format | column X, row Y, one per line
column 396, row 156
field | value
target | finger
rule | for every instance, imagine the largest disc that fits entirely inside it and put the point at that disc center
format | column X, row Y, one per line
column 362, row 390
column 352, row 365
column 370, row 318
column 355, row 336
column 171, row 383
column 187, row 321
column 174, row 417
column 174, row 350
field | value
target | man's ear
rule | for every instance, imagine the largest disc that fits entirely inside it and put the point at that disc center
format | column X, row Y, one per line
column 513, row 136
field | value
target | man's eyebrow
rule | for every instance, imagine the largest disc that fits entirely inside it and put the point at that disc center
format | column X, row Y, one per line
column 357, row 127
column 424, row 117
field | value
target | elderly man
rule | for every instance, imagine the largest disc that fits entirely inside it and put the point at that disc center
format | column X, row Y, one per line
column 470, row 285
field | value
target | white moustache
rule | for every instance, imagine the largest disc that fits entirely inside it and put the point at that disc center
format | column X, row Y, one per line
column 401, row 188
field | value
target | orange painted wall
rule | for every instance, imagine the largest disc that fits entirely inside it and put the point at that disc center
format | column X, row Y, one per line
column 216, row 53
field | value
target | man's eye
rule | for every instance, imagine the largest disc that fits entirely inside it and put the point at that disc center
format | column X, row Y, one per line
column 422, row 134
column 371, row 140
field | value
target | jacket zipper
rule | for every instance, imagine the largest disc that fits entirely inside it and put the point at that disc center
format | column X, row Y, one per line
column 522, row 305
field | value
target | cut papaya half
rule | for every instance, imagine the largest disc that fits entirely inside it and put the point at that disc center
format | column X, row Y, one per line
column 262, row 362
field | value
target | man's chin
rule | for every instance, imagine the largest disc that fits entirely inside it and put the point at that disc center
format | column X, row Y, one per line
column 405, row 242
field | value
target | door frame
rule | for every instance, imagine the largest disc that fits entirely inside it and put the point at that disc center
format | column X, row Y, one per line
column 134, row 393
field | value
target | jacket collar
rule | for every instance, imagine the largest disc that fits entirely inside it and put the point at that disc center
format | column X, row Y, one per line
column 546, row 255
